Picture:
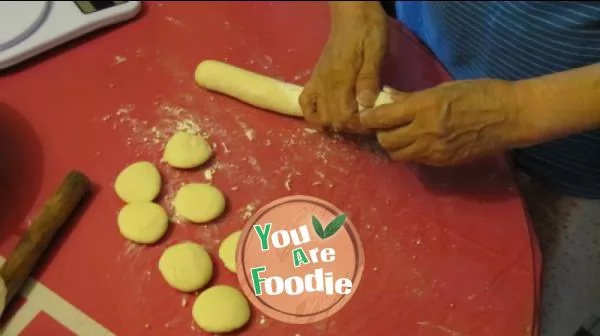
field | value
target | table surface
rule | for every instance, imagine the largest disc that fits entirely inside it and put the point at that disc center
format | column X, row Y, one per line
column 448, row 251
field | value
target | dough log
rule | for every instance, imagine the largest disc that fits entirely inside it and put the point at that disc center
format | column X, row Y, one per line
column 255, row 89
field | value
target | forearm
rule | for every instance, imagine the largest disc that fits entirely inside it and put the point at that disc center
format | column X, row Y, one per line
column 563, row 103
column 344, row 10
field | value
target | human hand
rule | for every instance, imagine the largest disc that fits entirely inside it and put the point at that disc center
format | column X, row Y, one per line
column 453, row 123
column 348, row 69
column 3, row 293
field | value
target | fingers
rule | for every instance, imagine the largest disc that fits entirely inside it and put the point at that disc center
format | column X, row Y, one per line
column 387, row 116
column 395, row 95
column 411, row 152
column 308, row 105
column 367, row 85
column 397, row 138
column 307, row 102
column 341, row 107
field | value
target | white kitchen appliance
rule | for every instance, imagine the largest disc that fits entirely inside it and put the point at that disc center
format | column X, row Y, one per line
column 28, row 28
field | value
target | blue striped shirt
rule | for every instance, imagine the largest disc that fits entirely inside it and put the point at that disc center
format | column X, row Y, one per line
column 514, row 40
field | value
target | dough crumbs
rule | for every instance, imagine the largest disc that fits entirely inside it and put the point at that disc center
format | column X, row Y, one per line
column 171, row 189
column 324, row 146
column 208, row 174
column 249, row 209
column 147, row 139
column 250, row 134
column 124, row 109
column 301, row 75
column 445, row 330
column 174, row 21
column 255, row 180
column 321, row 327
column 288, row 182
column 188, row 125
column 254, row 163
column 119, row 59
column 131, row 248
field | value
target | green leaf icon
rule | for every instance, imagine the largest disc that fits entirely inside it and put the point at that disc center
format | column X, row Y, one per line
column 318, row 227
column 334, row 226
column 331, row 228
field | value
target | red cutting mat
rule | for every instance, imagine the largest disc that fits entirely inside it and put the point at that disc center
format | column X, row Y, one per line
column 448, row 251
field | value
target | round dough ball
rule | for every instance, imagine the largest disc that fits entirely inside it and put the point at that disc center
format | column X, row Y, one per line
column 186, row 266
column 143, row 222
column 185, row 150
column 221, row 309
column 227, row 250
column 138, row 182
column 199, row 202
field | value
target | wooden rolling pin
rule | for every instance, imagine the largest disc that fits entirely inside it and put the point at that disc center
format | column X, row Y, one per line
column 38, row 237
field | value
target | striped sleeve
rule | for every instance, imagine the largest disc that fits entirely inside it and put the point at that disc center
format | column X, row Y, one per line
column 514, row 40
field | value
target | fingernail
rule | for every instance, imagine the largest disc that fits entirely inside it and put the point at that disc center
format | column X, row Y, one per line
column 365, row 98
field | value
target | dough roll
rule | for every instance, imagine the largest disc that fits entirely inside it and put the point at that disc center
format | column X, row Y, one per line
column 256, row 89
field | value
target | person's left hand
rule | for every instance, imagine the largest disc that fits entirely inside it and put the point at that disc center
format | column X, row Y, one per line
column 452, row 123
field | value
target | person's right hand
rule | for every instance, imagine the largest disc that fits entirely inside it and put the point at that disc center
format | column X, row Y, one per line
column 347, row 72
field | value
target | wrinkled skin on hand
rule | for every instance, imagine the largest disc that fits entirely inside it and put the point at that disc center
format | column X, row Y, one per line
column 452, row 123
column 348, row 68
